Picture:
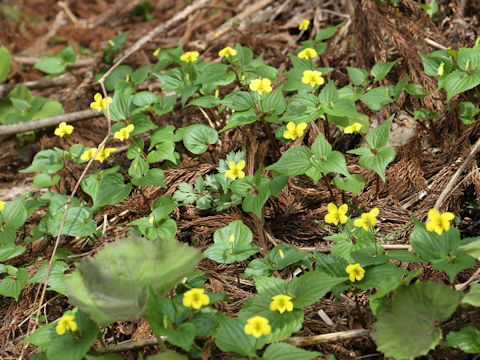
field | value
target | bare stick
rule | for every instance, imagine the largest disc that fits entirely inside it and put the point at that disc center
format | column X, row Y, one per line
column 51, row 121
column 39, row 84
column 326, row 249
column 325, row 338
column 27, row 60
column 463, row 286
column 448, row 189
column 129, row 345
column 155, row 32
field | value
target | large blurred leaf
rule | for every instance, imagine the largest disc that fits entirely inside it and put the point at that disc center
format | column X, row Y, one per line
column 112, row 286
column 409, row 327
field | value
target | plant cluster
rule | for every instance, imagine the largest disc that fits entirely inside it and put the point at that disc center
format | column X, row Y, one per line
column 150, row 275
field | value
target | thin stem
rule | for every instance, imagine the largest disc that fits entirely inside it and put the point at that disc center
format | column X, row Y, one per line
column 360, row 314
column 237, row 274
column 326, row 179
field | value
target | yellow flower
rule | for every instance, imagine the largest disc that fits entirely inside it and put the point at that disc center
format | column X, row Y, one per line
column 439, row 222
column 195, row 298
column 294, row 131
column 307, row 53
column 124, row 133
column 281, row 303
column 355, row 272
column 156, row 52
column 235, row 170
column 257, row 326
column 88, row 154
column 66, row 323
column 63, row 129
column 231, row 238
column 312, row 77
column 104, row 153
column 261, row 85
column 440, row 69
column 2, row 205
column 353, row 128
column 336, row 215
column 367, row 219
column 304, row 25
column 228, row 51
column 100, row 103
column 190, row 56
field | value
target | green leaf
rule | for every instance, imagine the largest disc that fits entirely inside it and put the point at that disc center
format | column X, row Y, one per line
column 283, row 255
column 110, row 189
column 376, row 275
column 231, row 337
column 284, row 351
column 460, row 81
column 473, row 296
column 73, row 347
column 241, row 118
column 225, row 252
column 283, row 325
column 470, row 57
column 441, row 250
column 302, row 107
column 357, row 76
column 294, row 161
column 381, row 69
column 378, row 137
column 416, row 90
column 168, row 355
column 353, row 183
column 327, row 33
column 51, row 65
column 472, row 249
column 12, row 286
column 121, row 106
column 152, row 177
column 145, row 98
column 208, row 101
column 56, row 278
column 432, row 61
column 412, row 319
column 9, row 252
column 378, row 98
column 68, row 54
column 5, row 63
column 270, row 286
column 377, row 163
column 197, row 136
column 121, row 73
column 467, row 340
column 45, row 180
column 112, row 286
column 311, row 287
column 46, row 161
column 273, row 103
column 14, row 214
column 404, row 256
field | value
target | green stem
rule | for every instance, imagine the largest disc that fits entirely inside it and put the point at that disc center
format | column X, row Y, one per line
column 237, row 274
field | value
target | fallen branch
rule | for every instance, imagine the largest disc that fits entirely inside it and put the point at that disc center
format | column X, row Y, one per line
column 325, row 338
column 325, row 249
column 46, row 122
column 30, row 61
column 39, row 84
column 129, row 345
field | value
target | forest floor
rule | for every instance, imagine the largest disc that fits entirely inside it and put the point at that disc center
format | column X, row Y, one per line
column 371, row 32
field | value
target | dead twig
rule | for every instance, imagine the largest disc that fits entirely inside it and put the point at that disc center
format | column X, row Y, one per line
column 325, row 338
column 51, row 121
column 39, row 84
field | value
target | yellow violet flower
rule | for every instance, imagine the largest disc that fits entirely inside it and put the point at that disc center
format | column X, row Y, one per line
column 100, row 103
column 367, row 219
column 312, row 77
column 439, row 222
column 355, row 127
column 355, row 272
column 88, row 154
column 2, row 205
column 124, row 133
column 336, row 215
column 104, row 153
column 228, row 51
column 231, row 238
column 156, row 52
column 281, row 303
column 307, row 53
column 440, row 69
column 257, row 326
column 66, row 323
column 235, row 170
column 63, row 129
column 261, row 85
column 195, row 298
column 304, row 25
column 294, row 131
column 190, row 56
